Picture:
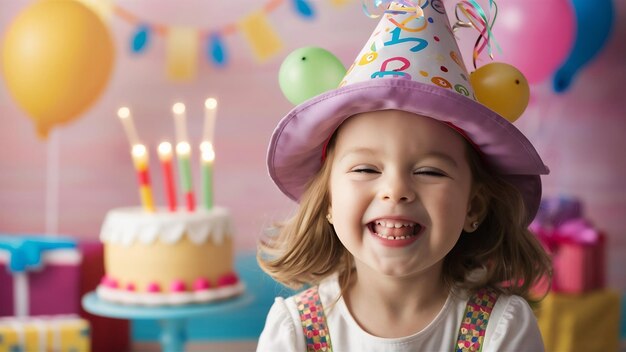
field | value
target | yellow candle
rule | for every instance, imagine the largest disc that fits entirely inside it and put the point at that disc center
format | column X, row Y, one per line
column 140, row 160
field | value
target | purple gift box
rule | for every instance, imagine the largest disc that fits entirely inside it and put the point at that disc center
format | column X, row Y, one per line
column 39, row 275
column 554, row 211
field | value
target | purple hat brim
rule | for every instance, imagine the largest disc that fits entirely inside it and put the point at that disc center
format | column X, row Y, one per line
column 296, row 146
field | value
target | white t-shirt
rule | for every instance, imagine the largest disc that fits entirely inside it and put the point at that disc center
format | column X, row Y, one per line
column 512, row 327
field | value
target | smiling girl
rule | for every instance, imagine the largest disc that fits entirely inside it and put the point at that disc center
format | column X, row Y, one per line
column 414, row 201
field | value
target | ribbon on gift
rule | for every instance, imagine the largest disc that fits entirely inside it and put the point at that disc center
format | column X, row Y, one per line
column 25, row 252
column 576, row 231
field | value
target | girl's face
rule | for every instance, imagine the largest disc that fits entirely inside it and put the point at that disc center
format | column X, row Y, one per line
column 400, row 191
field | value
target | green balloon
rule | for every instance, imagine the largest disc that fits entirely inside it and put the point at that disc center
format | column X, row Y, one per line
column 308, row 72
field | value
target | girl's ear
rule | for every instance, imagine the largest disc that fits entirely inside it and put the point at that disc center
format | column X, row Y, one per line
column 476, row 209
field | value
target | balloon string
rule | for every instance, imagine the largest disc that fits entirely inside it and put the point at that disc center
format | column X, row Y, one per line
column 395, row 7
column 52, row 184
column 477, row 18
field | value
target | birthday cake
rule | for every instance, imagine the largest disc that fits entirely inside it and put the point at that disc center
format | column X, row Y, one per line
column 168, row 258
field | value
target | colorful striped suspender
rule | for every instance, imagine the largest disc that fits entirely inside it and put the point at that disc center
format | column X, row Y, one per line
column 313, row 321
column 475, row 319
column 471, row 332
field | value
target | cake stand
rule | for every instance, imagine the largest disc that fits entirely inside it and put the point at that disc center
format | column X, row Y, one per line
column 172, row 318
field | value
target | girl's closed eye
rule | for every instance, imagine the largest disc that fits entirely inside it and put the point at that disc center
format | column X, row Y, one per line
column 429, row 171
column 365, row 170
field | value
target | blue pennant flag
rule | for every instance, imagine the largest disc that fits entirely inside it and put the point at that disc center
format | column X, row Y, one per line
column 216, row 50
column 304, row 9
column 141, row 38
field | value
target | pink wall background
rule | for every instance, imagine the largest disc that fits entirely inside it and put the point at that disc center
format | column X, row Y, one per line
column 580, row 134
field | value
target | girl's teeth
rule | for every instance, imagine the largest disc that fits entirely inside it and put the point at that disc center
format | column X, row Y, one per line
column 394, row 237
column 394, row 230
column 392, row 225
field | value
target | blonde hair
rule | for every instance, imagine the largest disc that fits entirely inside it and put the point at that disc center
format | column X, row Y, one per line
column 513, row 258
column 305, row 249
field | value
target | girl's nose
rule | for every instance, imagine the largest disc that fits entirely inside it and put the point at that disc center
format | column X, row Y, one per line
column 398, row 188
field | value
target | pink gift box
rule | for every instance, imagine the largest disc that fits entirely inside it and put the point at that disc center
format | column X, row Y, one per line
column 578, row 258
column 51, row 275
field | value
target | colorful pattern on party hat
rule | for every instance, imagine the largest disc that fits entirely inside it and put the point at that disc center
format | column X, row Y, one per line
column 414, row 44
column 475, row 319
column 313, row 321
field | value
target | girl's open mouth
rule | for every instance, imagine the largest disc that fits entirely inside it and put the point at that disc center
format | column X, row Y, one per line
column 395, row 233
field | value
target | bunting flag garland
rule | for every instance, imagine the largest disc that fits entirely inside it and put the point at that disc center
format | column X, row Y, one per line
column 183, row 44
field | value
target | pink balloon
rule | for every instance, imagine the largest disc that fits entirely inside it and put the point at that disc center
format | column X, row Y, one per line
column 536, row 36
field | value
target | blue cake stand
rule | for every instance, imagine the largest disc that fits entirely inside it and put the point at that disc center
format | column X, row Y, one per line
column 172, row 318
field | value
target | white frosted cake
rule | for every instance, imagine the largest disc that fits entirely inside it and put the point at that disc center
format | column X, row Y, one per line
column 168, row 258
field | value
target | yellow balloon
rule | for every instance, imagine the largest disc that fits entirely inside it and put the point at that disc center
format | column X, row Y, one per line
column 57, row 59
column 502, row 88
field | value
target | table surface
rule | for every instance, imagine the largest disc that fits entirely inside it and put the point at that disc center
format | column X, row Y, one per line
column 93, row 304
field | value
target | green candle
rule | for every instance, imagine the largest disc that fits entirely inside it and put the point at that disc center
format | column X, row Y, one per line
column 206, row 164
column 184, row 165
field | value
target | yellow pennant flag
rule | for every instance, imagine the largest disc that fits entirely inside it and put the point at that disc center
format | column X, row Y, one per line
column 104, row 8
column 181, row 53
column 262, row 38
column 339, row 3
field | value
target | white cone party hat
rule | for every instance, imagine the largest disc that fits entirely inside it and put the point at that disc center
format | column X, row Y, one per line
column 413, row 44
